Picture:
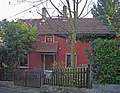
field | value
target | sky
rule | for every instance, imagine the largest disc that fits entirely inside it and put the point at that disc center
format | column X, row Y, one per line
column 16, row 9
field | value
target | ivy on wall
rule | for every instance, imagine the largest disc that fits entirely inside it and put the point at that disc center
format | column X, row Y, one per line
column 87, row 36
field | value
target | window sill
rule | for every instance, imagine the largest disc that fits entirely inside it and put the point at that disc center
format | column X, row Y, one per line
column 49, row 42
column 24, row 67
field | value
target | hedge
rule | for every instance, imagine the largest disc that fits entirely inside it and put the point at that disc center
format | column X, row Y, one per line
column 104, row 56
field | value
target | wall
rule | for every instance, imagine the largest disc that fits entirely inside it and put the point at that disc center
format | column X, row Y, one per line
column 35, row 58
column 65, row 48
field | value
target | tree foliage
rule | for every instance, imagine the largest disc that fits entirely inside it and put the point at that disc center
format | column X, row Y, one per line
column 17, row 40
column 108, row 12
column 105, row 60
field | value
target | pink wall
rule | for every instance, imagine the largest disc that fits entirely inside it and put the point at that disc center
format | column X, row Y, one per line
column 35, row 58
column 35, row 61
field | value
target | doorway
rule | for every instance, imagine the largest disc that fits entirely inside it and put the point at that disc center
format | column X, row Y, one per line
column 48, row 61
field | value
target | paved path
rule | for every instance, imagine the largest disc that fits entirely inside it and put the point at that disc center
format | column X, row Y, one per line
column 8, row 90
column 19, row 90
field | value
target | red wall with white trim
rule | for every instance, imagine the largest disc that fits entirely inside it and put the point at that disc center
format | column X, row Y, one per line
column 35, row 61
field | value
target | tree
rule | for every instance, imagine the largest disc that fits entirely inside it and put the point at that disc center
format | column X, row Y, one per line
column 72, row 16
column 17, row 40
column 108, row 12
column 116, row 22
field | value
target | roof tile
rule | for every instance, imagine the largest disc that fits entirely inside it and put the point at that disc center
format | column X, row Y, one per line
column 60, row 26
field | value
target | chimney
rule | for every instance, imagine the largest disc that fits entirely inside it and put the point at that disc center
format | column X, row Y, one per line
column 43, row 12
column 64, row 11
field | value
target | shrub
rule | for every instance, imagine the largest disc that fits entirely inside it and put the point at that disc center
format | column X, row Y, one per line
column 104, row 56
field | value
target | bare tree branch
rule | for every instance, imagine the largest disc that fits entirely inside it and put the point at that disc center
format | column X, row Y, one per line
column 83, row 8
column 48, row 14
column 89, row 5
column 86, row 14
column 27, row 9
column 79, row 1
column 62, row 2
column 69, row 8
column 56, row 7
column 70, row 13
column 74, row 6
column 39, row 13
column 75, row 12
column 87, row 10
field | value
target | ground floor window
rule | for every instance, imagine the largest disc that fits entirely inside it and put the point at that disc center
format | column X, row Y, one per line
column 68, row 59
column 24, row 61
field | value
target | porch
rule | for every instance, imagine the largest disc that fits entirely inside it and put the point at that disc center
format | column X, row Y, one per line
column 48, row 53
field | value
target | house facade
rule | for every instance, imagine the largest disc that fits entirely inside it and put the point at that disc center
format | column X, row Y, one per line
column 56, row 51
column 53, row 47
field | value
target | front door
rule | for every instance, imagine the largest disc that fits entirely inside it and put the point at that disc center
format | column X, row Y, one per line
column 49, row 59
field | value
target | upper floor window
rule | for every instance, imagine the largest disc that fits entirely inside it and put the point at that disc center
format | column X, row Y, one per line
column 49, row 39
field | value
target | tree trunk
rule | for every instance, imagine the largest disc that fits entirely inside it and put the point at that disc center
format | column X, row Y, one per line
column 73, row 40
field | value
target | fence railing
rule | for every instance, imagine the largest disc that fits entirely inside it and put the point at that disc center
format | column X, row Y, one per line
column 27, row 78
column 67, row 77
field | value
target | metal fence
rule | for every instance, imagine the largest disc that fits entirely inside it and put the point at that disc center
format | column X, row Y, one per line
column 67, row 77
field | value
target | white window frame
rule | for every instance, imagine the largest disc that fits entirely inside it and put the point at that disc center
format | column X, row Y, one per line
column 27, row 63
column 70, row 55
column 49, row 36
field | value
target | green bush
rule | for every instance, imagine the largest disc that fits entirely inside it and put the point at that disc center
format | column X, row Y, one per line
column 104, row 56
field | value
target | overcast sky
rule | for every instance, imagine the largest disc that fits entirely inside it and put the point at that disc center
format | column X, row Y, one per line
column 15, row 9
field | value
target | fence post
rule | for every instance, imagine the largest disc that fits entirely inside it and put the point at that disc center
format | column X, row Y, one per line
column 2, row 74
column 89, row 78
column 42, row 77
column 90, row 69
column 13, row 75
column 25, row 78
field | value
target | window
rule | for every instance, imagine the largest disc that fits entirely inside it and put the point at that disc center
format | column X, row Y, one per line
column 24, row 61
column 68, row 60
column 49, row 39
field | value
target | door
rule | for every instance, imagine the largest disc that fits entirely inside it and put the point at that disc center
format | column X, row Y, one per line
column 49, row 59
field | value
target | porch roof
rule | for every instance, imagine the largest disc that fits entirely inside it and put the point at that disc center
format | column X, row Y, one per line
column 47, row 48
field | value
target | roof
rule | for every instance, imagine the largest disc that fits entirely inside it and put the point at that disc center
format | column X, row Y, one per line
column 60, row 26
column 47, row 48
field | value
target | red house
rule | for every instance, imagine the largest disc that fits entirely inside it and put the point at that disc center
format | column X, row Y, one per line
column 53, row 45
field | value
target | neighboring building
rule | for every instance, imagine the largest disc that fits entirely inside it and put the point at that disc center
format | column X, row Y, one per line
column 52, row 48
